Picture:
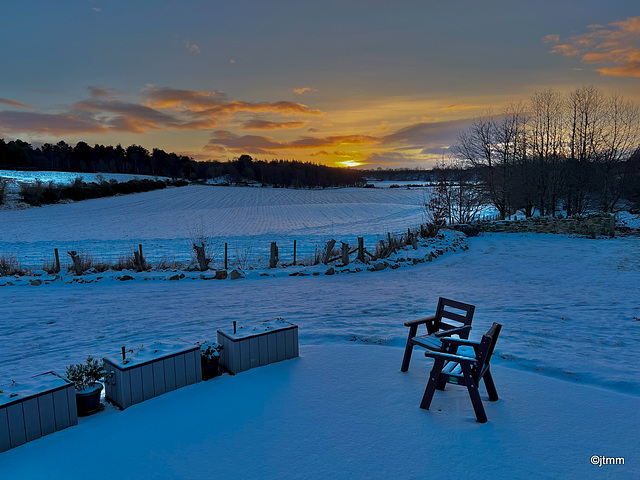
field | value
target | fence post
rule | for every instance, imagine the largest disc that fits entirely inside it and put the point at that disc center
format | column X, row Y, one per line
column 138, row 259
column 294, row 252
column 57, row 257
column 345, row 253
column 328, row 250
column 273, row 258
column 361, row 249
column 225, row 255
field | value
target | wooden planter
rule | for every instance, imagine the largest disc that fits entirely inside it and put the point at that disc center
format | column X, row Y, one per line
column 156, row 369
column 36, row 407
column 257, row 345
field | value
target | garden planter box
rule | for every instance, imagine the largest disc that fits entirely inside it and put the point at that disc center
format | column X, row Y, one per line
column 154, row 370
column 257, row 345
column 36, row 407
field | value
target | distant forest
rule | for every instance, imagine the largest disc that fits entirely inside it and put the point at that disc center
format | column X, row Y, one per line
column 137, row 160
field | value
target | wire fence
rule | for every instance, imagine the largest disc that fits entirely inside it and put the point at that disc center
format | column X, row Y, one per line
column 243, row 252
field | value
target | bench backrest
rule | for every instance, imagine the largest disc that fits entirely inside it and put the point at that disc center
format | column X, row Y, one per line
column 447, row 310
column 485, row 350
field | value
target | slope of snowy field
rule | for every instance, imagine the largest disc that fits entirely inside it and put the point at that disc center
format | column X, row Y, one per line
column 164, row 221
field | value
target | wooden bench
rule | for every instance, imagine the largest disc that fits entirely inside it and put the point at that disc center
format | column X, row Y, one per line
column 449, row 367
column 458, row 324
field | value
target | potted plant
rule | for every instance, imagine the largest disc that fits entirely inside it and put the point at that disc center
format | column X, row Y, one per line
column 210, row 359
column 86, row 378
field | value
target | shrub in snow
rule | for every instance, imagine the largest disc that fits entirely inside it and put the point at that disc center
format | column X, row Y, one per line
column 4, row 186
column 85, row 374
column 9, row 265
column 210, row 350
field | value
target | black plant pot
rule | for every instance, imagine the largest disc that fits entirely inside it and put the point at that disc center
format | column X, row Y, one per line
column 88, row 400
column 210, row 367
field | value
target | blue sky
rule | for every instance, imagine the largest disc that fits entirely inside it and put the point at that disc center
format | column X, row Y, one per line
column 338, row 82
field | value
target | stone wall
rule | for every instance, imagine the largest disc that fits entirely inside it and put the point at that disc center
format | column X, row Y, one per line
column 590, row 226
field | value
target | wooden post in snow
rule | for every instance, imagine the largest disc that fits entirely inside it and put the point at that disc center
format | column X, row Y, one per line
column 345, row 253
column 138, row 259
column 273, row 258
column 225, row 255
column 294, row 252
column 57, row 260
column 361, row 249
column 327, row 251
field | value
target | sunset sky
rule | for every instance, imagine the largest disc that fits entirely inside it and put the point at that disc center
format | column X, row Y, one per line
column 376, row 83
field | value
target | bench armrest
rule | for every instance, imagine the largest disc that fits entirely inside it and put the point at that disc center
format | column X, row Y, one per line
column 420, row 321
column 454, row 331
column 450, row 357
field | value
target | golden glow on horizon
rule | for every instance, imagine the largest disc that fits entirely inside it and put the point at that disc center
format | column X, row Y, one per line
column 349, row 163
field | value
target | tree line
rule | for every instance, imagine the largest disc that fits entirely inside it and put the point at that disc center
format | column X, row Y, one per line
column 137, row 160
column 577, row 152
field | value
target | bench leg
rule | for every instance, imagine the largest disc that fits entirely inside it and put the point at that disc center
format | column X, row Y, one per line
column 491, row 387
column 474, row 394
column 434, row 379
column 408, row 349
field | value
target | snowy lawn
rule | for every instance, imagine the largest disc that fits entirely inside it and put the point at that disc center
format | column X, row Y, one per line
column 569, row 306
column 346, row 411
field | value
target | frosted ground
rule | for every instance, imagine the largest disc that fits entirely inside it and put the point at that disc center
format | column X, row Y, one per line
column 566, row 364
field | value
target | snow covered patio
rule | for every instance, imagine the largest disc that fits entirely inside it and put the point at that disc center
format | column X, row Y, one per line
column 346, row 411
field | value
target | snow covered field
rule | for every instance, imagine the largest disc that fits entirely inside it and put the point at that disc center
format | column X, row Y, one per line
column 248, row 218
column 566, row 361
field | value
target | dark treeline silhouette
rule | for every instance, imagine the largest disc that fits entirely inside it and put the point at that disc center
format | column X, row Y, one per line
column 137, row 160
column 279, row 173
column 401, row 174
column 82, row 158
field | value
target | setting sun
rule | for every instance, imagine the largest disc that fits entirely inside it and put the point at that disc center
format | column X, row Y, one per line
column 349, row 163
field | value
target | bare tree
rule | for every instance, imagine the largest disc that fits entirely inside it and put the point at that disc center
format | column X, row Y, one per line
column 495, row 146
column 546, row 130
column 465, row 198
column 585, row 122
column 436, row 205
column 620, row 137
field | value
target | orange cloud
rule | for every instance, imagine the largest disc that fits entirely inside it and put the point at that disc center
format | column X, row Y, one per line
column 265, row 145
column 551, row 38
column 616, row 49
column 300, row 91
column 46, row 123
column 258, row 124
column 215, row 103
column 13, row 103
column 158, row 109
